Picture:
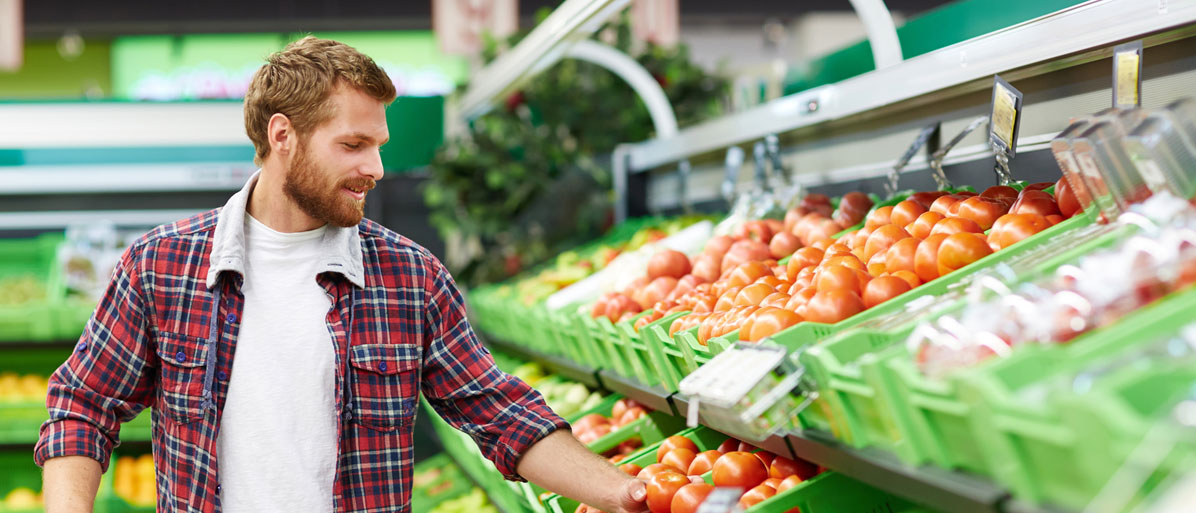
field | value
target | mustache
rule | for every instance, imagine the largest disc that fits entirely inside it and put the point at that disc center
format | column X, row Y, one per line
column 363, row 184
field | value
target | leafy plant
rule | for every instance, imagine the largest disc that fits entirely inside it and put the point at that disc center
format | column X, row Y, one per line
column 533, row 176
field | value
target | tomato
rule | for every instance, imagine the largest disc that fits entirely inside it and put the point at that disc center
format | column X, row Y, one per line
column 926, row 198
column 771, row 321
column 900, row 256
column 718, row 246
column 878, row 217
column 800, row 298
column 594, row 433
column 1067, row 200
column 848, row 260
column 877, row 265
column 837, row 277
column 707, row 267
column 650, row 471
column 753, row 294
column 910, row 277
column 961, row 249
column 882, row 238
column 1035, row 202
column 982, row 211
column 703, row 462
column 792, row 216
column 953, row 225
column 690, row 497
column 630, row 469
column 765, row 457
column 621, row 406
column 926, row 258
column 746, row 447
column 831, row 306
column 801, row 259
column 656, row 291
column 777, row 299
column 771, row 280
column 821, row 244
column 756, row 495
column 1012, row 228
column 814, row 200
column 835, row 250
column 668, row 262
column 745, row 251
column 727, row 300
column 632, row 413
column 783, row 467
column 906, row 212
column 661, row 489
column 1038, row 186
column 728, row 445
column 1054, row 220
column 739, row 468
column 942, row 205
column 883, row 289
column 821, row 229
column 853, row 206
column 802, row 227
column 747, row 273
column 1002, row 193
column 783, row 244
column 675, row 442
column 922, row 226
column 680, row 457
column 857, row 239
column 588, row 422
column 755, row 230
column 790, row 482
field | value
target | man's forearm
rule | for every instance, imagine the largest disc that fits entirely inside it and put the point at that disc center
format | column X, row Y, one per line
column 69, row 484
column 561, row 464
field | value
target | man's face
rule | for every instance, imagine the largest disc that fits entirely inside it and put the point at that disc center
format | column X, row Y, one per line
column 335, row 166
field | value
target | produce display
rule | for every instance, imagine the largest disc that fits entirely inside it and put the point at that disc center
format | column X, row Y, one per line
column 21, row 499
column 133, row 480
column 593, row 426
column 473, row 502
column 20, row 290
column 28, row 388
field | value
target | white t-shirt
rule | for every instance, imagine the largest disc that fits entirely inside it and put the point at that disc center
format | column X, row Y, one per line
column 277, row 443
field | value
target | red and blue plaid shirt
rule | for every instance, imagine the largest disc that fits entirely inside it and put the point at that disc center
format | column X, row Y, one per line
column 164, row 334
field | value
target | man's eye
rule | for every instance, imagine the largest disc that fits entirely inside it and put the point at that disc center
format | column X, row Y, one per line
column 351, row 146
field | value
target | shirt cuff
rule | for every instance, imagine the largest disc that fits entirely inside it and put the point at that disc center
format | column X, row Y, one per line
column 515, row 443
column 72, row 437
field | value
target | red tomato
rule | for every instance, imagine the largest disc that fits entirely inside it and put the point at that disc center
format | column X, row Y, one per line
column 961, row 249
column 746, row 447
column 739, row 468
column 680, row 457
column 718, row 246
column 832, row 306
column 1067, row 200
column 926, row 198
column 883, row 289
column 675, row 442
column 790, row 482
column 953, row 225
column 879, row 217
column 765, row 457
column 728, row 445
column 753, row 294
column 1038, row 186
column 910, row 277
column 690, row 497
column 1054, row 220
column 783, row 244
column 650, row 471
column 801, row 259
column 1035, row 202
column 822, row 229
column 756, row 495
column 747, row 273
column 848, row 260
column 906, row 212
column 926, row 258
column 877, row 265
column 657, row 290
column 770, row 322
column 707, row 267
column 777, row 299
column 703, row 463
column 882, row 238
column 1003, row 193
column 800, row 298
column 631, row 415
column 771, row 482
column 783, row 467
column 982, row 211
column 922, row 226
column 630, row 469
column 1012, row 228
column 942, row 205
column 755, row 230
column 588, row 422
column 661, row 489
column 838, row 277
column 792, row 216
column 900, row 256
column 668, row 262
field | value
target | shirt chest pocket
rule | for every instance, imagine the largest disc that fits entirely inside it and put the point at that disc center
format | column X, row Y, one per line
column 385, row 383
column 183, row 364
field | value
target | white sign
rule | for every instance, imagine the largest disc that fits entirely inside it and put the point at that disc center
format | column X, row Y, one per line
column 12, row 35
column 461, row 24
column 656, row 21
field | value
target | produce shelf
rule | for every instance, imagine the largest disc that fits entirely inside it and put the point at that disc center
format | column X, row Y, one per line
column 561, row 366
column 931, row 486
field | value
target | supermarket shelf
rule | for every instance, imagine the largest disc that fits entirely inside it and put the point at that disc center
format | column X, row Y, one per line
column 931, row 486
column 565, row 368
column 653, row 397
column 775, row 444
column 479, row 483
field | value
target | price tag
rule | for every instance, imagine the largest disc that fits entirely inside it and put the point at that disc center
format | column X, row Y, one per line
column 1006, row 117
column 1127, row 75
column 724, row 499
column 731, row 374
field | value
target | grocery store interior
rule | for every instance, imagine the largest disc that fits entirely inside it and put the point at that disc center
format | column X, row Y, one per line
column 908, row 255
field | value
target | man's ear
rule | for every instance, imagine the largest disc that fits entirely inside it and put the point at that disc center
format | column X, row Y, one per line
column 280, row 134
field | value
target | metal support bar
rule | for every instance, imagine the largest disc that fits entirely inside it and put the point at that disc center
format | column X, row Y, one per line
column 642, row 82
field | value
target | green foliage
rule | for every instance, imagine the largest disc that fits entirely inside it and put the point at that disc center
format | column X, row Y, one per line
column 533, row 176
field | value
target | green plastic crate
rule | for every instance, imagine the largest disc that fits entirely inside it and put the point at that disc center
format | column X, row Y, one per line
column 1026, row 442
column 38, row 258
column 666, row 359
column 450, row 483
column 635, row 351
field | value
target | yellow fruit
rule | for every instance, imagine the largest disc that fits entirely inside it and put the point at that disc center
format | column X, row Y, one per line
column 21, row 498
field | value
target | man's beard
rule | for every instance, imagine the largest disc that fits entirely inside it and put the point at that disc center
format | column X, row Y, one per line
column 319, row 199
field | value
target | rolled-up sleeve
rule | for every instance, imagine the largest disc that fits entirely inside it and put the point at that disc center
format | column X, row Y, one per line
column 502, row 414
column 104, row 382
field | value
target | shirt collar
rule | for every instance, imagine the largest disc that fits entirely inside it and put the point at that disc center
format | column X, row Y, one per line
column 340, row 250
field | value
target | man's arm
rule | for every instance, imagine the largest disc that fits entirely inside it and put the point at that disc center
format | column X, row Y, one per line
column 558, row 462
column 70, row 484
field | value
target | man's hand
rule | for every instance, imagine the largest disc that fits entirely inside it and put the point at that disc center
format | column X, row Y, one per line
column 633, row 497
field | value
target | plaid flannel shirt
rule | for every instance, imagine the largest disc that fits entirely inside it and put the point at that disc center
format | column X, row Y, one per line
column 164, row 333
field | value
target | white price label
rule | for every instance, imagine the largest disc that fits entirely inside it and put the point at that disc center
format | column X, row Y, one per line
column 1151, row 173
column 730, row 375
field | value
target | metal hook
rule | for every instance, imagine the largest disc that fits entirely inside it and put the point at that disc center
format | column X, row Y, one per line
column 683, row 172
column 734, row 161
column 936, row 160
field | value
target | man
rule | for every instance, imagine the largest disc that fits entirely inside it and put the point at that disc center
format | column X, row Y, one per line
column 283, row 340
